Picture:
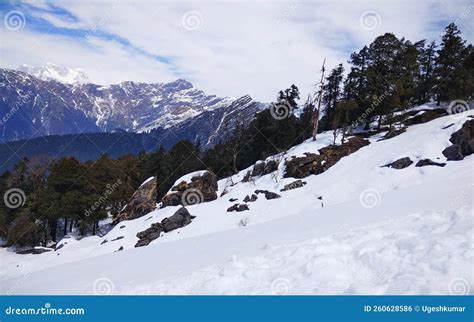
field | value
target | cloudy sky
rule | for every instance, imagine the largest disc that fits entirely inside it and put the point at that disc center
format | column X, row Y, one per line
column 228, row 48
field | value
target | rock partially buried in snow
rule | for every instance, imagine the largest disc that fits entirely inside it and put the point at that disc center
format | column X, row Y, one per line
column 318, row 163
column 463, row 142
column 250, row 198
column 143, row 201
column 238, row 207
column 202, row 188
column 268, row 194
column 399, row 164
column 425, row 162
column 294, row 185
column 181, row 218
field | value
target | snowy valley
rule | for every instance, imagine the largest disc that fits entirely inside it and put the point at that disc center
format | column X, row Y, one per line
column 356, row 228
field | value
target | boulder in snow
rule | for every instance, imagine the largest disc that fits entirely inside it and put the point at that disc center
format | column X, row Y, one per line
column 238, row 207
column 401, row 163
column 463, row 142
column 294, row 185
column 143, row 201
column 268, row 194
column 425, row 162
column 202, row 188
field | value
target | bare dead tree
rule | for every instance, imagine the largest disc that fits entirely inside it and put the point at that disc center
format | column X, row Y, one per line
column 319, row 97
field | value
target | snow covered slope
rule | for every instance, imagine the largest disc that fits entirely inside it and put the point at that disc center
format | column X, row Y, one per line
column 375, row 231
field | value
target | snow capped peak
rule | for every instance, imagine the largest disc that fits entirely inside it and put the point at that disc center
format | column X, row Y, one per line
column 51, row 71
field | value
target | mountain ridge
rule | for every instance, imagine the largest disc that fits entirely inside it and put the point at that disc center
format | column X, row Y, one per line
column 32, row 107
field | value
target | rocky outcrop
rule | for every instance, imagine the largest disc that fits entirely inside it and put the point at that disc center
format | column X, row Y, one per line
column 399, row 164
column 311, row 163
column 463, row 142
column 180, row 218
column 143, row 201
column 238, row 207
column 202, row 188
column 294, row 185
column 268, row 194
column 425, row 162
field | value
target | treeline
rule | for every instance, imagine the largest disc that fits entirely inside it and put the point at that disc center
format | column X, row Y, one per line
column 386, row 76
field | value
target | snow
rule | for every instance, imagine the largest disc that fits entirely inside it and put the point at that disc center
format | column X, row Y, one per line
column 61, row 74
column 381, row 231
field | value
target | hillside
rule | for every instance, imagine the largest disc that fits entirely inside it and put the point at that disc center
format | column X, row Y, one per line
column 356, row 228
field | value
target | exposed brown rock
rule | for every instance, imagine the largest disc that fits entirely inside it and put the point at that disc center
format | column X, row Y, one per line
column 142, row 202
column 318, row 163
column 201, row 189
column 463, row 142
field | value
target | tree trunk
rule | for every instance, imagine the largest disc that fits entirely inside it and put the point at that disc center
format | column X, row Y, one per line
column 93, row 228
column 315, row 124
column 71, row 225
column 53, row 226
column 65, row 227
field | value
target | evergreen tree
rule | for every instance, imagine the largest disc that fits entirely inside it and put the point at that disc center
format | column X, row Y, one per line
column 449, row 74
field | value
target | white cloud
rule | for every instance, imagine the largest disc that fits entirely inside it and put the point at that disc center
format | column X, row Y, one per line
column 239, row 47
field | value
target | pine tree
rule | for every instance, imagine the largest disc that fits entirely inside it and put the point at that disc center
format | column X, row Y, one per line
column 449, row 76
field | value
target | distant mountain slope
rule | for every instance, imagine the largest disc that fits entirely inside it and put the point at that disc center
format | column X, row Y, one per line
column 33, row 107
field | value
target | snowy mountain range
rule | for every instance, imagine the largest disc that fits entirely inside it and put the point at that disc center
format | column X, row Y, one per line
column 361, row 227
column 61, row 74
column 54, row 100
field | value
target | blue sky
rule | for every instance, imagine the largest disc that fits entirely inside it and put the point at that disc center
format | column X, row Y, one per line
column 228, row 48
